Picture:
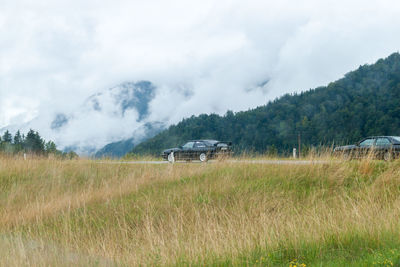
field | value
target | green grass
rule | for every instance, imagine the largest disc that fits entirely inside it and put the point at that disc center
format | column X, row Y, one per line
column 217, row 214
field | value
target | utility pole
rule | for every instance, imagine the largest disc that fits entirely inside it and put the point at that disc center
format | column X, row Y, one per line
column 299, row 142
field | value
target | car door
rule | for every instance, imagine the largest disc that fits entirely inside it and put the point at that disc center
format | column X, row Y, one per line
column 186, row 151
column 365, row 147
column 382, row 145
column 199, row 147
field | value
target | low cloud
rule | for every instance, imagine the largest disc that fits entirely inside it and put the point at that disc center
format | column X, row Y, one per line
column 202, row 57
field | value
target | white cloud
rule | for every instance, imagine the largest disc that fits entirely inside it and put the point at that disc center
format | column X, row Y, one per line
column 202, row 55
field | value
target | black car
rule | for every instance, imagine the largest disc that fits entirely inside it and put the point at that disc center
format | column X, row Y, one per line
column 381, row 147
column 202, row 150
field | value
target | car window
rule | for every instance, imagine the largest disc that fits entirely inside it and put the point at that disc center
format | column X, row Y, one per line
column 396, row 138
column 188, row 145
column 367, row 142
column 199, row 144
column 382, row 142
column 210, row 142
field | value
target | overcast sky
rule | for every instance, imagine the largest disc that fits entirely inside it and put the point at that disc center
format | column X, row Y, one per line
column 55, row 54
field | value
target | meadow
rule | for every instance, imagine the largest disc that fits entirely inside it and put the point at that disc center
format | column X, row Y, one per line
column 86, row 213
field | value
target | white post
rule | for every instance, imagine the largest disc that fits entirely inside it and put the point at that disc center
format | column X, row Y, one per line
column 24, row 156
column 171, row 157
column 294, row 153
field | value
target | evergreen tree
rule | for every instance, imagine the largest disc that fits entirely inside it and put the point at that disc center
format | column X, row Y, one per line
column 7, row 137
column 51, row 148
column 18, row 142
column 33, row 142
column 18, row 138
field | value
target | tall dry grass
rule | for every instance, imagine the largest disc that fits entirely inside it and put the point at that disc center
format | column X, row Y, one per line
column 83, row 212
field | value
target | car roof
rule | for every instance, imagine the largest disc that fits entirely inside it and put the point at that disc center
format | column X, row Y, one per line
column 379, row 136
column 203, row 140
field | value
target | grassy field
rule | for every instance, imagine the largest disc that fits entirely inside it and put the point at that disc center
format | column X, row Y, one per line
column 83, row 213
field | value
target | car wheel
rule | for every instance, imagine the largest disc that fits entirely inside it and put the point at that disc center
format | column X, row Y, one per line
column 171, row 157
column 203, row 157
column 388, row 156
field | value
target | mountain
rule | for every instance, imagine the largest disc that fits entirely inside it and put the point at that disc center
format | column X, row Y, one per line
column 116, row 149
column 118, row 101
column 123, row 98
column 118, row 113
column 120, row 148
column 365, row 102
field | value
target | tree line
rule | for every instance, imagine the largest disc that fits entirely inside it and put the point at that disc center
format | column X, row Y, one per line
column 31, row 143
column 364, row 102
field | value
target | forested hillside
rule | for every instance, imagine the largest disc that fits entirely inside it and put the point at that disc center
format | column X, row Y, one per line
column 365, row 102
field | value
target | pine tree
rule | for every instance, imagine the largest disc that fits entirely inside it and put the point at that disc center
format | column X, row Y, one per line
column 51, row 148
column 7, row 137
column 34, row 143
column 18, row 142
column 17, row 138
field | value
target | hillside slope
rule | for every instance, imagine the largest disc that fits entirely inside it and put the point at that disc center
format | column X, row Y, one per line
column 364, row 102
column 221, row 214
column 120, row 148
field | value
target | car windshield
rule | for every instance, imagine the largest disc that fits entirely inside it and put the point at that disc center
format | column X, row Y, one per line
column 188, row 145
column 367, row 142
column 396, row 138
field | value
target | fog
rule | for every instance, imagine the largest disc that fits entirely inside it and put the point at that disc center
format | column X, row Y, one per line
column 202, row 57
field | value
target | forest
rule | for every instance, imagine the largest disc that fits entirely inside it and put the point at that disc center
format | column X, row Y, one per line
column 31, row 143
column 364, row 102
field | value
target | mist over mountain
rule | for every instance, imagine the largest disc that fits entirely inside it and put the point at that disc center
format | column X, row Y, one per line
column 111, row 121
column 66, row 65
column 120, row 112
column 127, row 99
column 365, row 102
column 115, row 121
column 120, row 148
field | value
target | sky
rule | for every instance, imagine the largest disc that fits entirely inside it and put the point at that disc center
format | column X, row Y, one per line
column 202, row 56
